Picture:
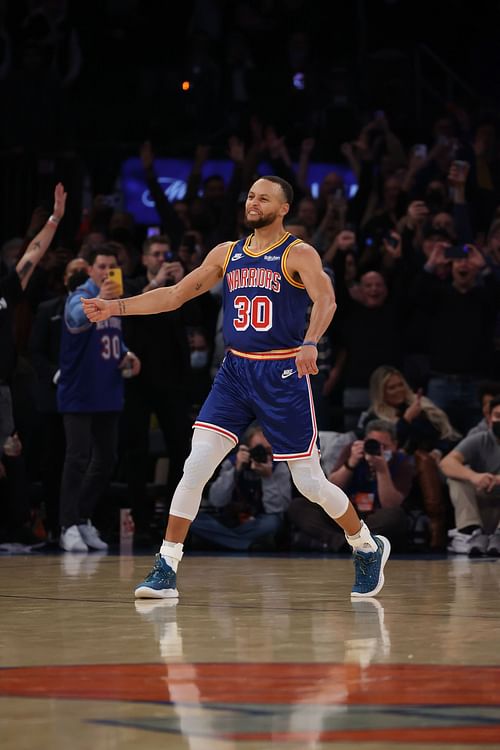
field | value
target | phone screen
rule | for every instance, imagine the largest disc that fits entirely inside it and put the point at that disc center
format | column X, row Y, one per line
column 456, row 252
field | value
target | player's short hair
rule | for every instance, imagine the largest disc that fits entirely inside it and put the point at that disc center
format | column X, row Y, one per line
column 285, row 186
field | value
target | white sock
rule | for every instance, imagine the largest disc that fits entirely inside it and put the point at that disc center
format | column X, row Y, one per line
column 172, row 553
column 363, row 540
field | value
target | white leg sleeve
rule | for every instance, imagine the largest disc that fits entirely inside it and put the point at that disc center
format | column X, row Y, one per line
column 310, row 480
column 207, row 451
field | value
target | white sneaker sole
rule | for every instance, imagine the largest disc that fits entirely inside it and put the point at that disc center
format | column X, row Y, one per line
column 381, row 581
column 144, row 592
column 74, row 548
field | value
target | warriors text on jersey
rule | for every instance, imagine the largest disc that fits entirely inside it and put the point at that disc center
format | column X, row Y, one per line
column 264, row 305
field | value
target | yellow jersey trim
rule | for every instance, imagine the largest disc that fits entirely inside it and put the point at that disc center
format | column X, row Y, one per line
column 228, row 255
column 286, row 274
column 247, row 251
column 272, row 354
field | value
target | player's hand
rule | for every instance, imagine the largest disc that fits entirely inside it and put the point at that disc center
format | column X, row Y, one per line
column 306, row 361
column 96, row 309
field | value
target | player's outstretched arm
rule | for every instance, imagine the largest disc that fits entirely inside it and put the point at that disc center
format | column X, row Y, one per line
column 167, row 298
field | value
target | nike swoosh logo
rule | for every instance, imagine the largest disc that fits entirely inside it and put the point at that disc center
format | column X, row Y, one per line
column 288, row 374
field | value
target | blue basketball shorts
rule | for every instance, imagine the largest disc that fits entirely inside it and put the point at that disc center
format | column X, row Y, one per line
column 268, row 391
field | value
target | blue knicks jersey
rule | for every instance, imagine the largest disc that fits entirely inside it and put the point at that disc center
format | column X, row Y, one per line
column 264, row 306
column 90, row 380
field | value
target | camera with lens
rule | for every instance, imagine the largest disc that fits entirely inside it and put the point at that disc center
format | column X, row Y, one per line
column 372, row 447
column 259, row 454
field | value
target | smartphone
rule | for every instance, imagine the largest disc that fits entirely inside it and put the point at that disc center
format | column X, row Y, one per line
column 299, row 81
column 153, row 231
column 456, row 252
column 168, row 256
column 420, row 149
column 115, row 274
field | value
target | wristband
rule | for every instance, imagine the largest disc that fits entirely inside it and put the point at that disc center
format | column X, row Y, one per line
column 53, row 219
column 309, row 343
column 346, row 464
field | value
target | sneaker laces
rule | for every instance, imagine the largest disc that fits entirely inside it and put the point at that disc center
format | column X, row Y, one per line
column 361, row 563
column 157, row 570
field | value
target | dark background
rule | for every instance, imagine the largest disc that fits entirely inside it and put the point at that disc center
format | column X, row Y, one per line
column 63, row 119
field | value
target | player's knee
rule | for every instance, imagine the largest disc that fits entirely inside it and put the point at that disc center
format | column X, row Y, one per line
column 313, row 484
column 199, row 466
column 306, row 482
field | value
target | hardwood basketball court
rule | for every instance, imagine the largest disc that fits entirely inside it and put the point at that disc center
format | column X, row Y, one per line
column 260, row 652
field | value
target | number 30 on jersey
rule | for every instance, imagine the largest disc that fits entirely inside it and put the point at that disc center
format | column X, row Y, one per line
column 256, row 312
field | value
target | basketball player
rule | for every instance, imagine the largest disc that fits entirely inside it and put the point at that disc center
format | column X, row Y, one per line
column 270, row 278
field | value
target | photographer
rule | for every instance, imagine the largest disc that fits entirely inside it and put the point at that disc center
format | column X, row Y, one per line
column 251, row 495
column 377, row 477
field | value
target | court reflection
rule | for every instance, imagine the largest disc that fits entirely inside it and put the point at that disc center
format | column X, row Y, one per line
column 264, row 701
column 359, row 694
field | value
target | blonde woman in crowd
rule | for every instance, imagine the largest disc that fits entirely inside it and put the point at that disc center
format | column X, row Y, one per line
column 423, row 430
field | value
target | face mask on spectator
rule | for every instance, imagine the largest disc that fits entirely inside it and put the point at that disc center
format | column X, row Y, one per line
column 199, row 359
column 495, row 428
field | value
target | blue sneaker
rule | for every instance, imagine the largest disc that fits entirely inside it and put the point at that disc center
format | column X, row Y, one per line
column 369, row 568
column 160, row 583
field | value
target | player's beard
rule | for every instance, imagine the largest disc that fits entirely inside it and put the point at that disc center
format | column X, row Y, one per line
column 261, row 222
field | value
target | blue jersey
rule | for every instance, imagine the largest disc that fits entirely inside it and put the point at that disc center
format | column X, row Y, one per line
column 90, row 380
column 264, row 306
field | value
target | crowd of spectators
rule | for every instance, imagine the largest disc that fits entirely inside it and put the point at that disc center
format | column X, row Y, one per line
column 411, row 359
column 413, row 256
